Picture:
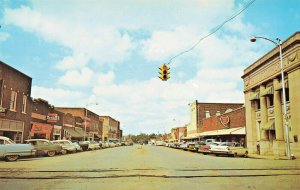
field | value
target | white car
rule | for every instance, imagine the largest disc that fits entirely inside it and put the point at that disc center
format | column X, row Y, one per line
column 229, row 148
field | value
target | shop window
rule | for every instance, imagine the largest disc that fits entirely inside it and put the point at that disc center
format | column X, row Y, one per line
column 13, row 101
column 24, row 104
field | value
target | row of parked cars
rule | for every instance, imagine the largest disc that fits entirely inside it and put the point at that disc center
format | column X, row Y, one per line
column 11, row 151
column 211, row 146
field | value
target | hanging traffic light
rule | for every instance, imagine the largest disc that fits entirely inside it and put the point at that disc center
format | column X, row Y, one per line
column 164, row 72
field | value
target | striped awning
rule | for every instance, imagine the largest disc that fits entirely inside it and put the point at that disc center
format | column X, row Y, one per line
column 279, row 85
column 254, row 96
column 268, row 91
column 269, row 126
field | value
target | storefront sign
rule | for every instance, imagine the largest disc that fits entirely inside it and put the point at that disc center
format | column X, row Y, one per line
column 52, row 117
column 224, row 120
column 85, row 124
column 41, row 128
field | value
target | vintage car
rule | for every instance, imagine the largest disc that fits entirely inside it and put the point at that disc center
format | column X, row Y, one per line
column 66, row 145
column 94, row 145
column 230, row 148
column 11, row 151
column 195, row 146
column 77, row 146
column 206, row 147
column 84, row 145
column 45, row 147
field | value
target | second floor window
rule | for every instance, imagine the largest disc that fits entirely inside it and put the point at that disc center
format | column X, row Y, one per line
column 24, row 104
column 13, row 101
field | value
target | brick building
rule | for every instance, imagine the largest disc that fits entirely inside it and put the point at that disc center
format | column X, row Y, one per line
column 15, row 92
column 200, row 111
column 178, row 133
column 111, row 128
column 86, row 120
column 46, row 123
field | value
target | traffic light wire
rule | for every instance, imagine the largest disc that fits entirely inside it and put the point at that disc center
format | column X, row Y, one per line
column 213, row 31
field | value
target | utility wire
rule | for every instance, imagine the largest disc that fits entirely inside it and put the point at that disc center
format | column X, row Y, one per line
column 213, row 31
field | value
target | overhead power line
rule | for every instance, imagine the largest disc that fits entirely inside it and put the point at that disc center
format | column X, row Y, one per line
column 214, row 30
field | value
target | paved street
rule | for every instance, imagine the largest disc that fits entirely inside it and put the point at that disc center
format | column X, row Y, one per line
column 151, row 167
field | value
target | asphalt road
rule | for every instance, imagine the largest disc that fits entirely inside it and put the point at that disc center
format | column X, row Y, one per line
column 150, row 167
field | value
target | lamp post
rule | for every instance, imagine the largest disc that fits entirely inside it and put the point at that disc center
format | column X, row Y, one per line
column 278, row 43
column 85, row 118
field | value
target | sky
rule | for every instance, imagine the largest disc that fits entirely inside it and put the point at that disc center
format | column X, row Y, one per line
column 79, row 52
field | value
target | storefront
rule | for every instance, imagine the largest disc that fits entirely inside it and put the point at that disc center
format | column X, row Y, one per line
column 12, row 129
column 41, row 131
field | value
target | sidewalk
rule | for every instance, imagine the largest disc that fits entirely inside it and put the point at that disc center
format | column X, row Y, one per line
column 267, row 157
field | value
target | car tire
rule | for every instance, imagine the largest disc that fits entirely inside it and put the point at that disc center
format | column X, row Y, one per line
column 11, row 158
column 235, row 155
column 51, row 153
column 246, row 154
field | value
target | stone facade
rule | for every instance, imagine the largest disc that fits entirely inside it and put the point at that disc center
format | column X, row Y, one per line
column 111, row 128
column 266, row 132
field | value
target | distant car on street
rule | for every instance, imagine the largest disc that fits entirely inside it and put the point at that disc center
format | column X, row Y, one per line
column 45, row 147
column 195, row 146
column 11, row 151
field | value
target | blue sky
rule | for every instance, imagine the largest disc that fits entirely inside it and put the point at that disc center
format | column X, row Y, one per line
column 110, row 51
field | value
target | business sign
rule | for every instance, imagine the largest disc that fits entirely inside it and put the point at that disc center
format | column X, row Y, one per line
column 225, row 121
column 52, row 118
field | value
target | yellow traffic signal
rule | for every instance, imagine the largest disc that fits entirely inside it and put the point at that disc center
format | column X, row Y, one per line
column 164, row 72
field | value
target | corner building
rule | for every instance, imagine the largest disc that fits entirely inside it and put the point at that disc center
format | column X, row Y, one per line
column 264, row 101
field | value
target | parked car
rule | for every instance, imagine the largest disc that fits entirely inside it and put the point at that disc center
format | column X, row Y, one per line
column 105, row 145
column 205, row 148
column 84, row 145
column 184, row 146
column 66, row 145
column 77, row 146
column 230, row 148
column 45, row 147
column 94, row 145
column 11, row 151
column 195, row 146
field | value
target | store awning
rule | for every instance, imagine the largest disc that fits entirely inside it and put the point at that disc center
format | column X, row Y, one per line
column 79, row 131
column 231, row 131
column 254, row 96
column 279, row 85
column 192, row 136
column 73, row 132
column 269, row 126
column 268, row 91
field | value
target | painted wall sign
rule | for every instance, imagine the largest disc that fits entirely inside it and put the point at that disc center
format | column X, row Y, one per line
column 225, row 121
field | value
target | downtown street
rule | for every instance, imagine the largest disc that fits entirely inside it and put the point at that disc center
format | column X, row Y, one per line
column 148, row 167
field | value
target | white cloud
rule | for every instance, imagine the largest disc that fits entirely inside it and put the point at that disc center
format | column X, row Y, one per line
column 75, row 78
column 57, row 96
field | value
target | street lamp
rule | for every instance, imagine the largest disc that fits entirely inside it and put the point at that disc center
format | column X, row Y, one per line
column 86, row 117
column 278, row 43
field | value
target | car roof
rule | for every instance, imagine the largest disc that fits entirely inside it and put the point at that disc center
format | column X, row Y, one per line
column 5, row 138
column 37, row 140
